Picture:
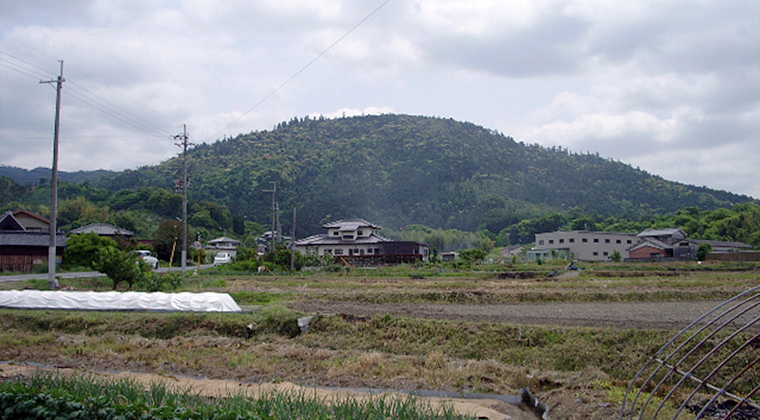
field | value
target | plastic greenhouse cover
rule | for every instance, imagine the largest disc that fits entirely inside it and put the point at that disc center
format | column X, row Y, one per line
column 119, row 301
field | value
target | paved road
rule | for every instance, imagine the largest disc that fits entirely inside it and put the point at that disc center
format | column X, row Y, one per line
column 83, row 274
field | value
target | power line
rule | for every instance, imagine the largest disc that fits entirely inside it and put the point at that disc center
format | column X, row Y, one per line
column 107, row 103
column 302, row 69
column 46, row 71
column 117, row 114
column 22, row 70
column 82, row 94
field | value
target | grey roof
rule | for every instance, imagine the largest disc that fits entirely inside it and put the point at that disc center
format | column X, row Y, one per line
column 324, row 239
column 722, row 244
column 661, row 232
column 33, row 238
column 224, row 239
column 102, row 229
column 350, row 224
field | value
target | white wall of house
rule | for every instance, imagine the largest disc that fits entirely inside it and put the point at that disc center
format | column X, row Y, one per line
column 587, row 245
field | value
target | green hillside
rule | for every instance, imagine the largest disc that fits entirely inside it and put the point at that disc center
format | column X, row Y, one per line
column 398, row 170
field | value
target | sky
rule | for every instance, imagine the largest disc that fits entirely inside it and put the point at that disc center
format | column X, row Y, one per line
column 670, row 87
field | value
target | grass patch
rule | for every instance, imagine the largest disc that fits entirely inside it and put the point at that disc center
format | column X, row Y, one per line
column 261, row 298
column 48, row 396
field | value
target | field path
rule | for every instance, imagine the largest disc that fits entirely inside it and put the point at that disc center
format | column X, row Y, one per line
column 643, row 315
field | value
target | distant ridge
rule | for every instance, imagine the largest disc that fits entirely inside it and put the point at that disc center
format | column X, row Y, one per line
column 33, row 176
column 397, row 170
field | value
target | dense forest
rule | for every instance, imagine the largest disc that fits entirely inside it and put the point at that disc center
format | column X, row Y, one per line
column 396, row 170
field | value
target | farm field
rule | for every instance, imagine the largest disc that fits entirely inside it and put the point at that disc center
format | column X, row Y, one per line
column 575, row 338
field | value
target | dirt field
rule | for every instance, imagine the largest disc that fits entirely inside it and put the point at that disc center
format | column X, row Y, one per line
column 322, row 359
column 642, row 315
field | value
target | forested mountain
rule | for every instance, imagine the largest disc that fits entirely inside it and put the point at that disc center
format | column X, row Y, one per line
column 397, row 170
column 33, row 176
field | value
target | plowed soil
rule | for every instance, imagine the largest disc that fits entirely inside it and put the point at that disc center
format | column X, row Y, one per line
column 642, row 315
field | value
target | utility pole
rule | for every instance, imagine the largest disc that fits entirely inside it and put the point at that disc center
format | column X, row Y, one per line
column 183, row 143
column 293, row 242
column 274, row 215
column 52, row 281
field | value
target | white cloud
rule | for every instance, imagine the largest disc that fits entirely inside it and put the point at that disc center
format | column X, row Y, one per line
column 649, row 82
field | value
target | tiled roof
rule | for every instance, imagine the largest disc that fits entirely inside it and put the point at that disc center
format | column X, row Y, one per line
column 224, row 239
column 102, row 229
column 325, row 240
column 350, row 224
column 21, row 238
column 661, row 232
column 723, row 244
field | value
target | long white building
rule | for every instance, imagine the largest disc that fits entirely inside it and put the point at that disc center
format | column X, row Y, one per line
column 582, row 245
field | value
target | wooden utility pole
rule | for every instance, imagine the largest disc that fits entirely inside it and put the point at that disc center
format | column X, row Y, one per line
column 275, row 216
column 183, row 138
column 293, row 242
column 52, row 258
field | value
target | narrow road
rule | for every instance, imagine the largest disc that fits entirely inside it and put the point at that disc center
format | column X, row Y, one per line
column 84, row 274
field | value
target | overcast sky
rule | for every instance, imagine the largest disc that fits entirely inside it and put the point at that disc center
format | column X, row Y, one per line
column 672, row 87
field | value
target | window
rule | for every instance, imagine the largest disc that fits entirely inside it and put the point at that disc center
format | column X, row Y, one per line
column 584, row 240
column 551, row 241
column 596, row 253
column 562, row 241
column 571, row 240
column 606, row 241
column 596, row 240
column 605, row 253
column 335, row 233
column 327, row 251
column 369, row 251
column 541, row 242
column 377, row 251
column 618, row 241
column 338, row 251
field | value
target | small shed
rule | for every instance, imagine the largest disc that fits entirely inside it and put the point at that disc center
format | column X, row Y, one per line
column 22, row 248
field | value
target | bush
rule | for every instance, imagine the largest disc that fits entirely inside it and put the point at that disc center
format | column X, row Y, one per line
column 82, row 250
column 154, row 282
column 703, row 250
column 120, row 266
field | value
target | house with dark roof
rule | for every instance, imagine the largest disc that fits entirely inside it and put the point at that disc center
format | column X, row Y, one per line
column 103, row 229
column 357, row 242
column 25, row 241
column 223, row 244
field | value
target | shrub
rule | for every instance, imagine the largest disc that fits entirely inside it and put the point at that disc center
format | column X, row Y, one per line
column 82, row 250
column 119, row 266
column 703, row 250
column 154, row 282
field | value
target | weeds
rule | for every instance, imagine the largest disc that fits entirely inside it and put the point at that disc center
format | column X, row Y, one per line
column 47, row 396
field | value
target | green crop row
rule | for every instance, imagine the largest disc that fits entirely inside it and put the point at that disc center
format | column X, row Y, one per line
column 49, row 396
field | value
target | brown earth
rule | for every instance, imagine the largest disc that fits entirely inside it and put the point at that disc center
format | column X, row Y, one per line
column 643, row 315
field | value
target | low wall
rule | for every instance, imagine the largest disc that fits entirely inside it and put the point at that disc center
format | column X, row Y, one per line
column 733, row 256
